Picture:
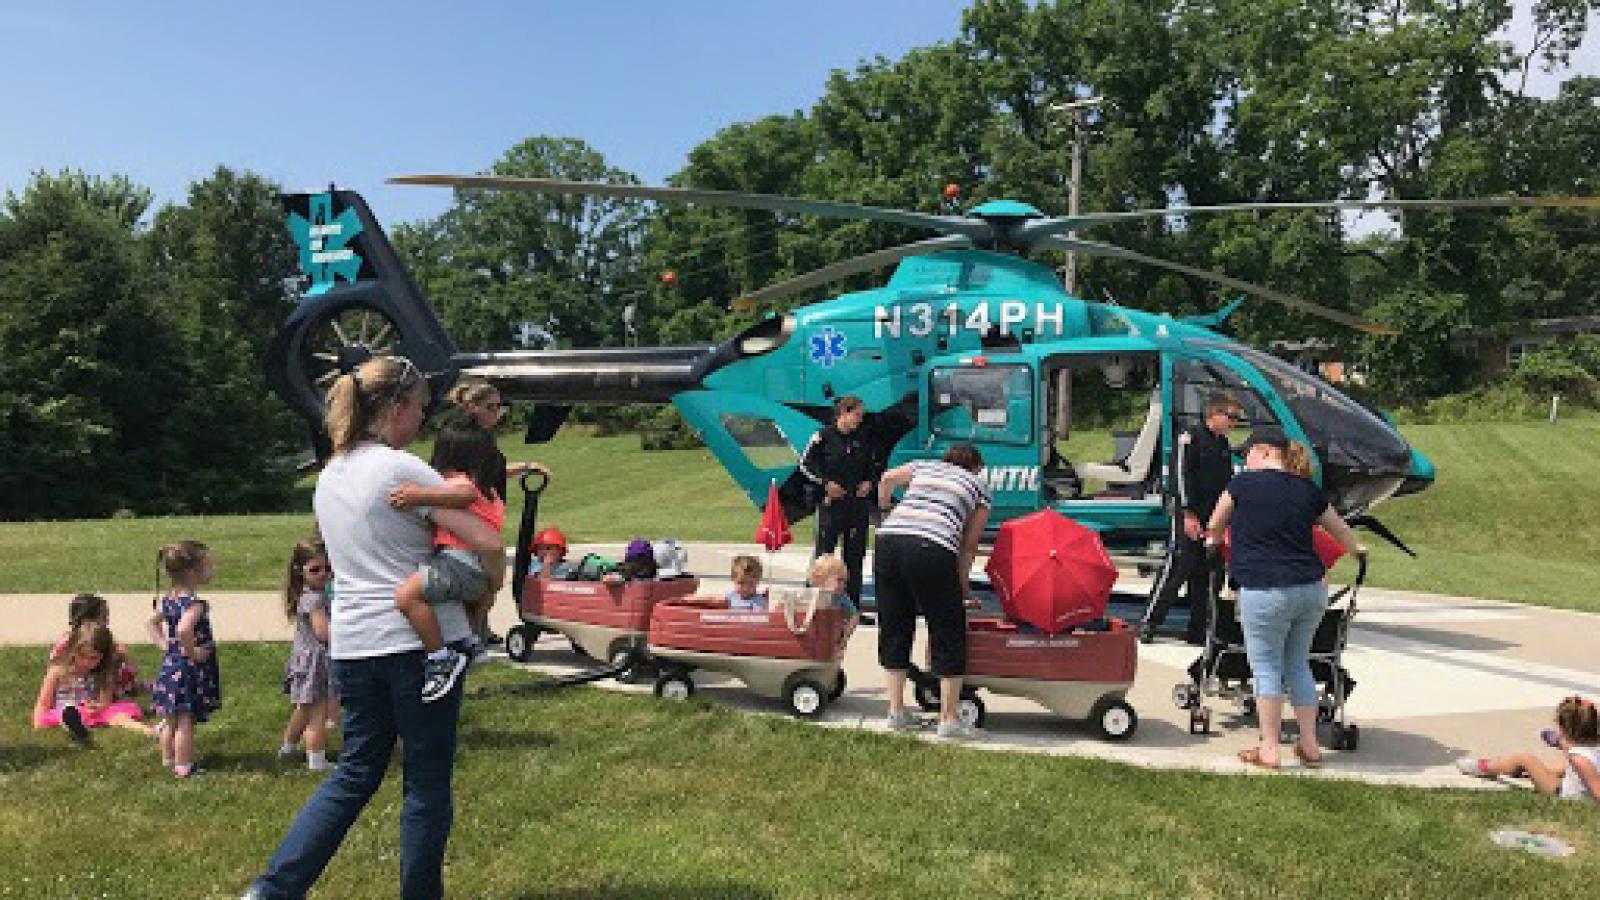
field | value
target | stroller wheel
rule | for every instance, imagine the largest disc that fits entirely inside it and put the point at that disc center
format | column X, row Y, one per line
column 1200, row 720
column 838, row 687
column 520, row 641
column 1346, row 737
column 1185, row 695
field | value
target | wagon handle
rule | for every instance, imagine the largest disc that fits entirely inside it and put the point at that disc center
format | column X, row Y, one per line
column 811, row 611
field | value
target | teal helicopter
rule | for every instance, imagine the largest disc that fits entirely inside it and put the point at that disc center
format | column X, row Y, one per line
column 968, row 342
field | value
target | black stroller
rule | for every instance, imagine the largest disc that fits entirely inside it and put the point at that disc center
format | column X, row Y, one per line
column 1223, row 670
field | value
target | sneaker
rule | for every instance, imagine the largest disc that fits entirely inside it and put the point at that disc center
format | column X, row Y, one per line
column 187, row 771
column 956, row 730
column 904, row 720
column 72, row 720
column 478, row 653
column 290, row 752
column 1472, row 765
column 439, row 678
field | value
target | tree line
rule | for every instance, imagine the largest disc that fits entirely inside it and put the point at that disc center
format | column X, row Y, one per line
column 131, row 376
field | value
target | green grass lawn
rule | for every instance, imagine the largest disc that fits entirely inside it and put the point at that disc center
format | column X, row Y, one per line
column 589, row 793
column 1508, row 518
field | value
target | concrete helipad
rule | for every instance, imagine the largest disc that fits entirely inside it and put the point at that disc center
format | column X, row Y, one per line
column 1438, row 677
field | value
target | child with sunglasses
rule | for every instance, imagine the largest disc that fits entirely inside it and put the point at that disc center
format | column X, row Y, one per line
column 307, row 677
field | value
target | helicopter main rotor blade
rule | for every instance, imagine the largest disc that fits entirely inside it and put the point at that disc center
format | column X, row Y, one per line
column 866, row 262
column 975, row 229
column 1030, row 232
column 1096, row 248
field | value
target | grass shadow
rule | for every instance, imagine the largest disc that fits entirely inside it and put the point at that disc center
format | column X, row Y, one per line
column 704, row 891
column 505, row 739
column 30, row 756
column 237, row 761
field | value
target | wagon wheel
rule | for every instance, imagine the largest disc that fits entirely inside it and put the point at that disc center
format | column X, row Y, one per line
column 520, row 641
column 344, row 340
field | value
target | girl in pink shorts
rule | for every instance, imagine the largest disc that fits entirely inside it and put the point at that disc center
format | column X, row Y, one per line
column 78, row 689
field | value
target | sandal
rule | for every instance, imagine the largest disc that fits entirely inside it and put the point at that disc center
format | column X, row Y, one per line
column 1251, row 756
column 1306, row 759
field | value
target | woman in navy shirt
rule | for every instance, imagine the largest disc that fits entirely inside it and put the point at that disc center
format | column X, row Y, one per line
column 1273, row 506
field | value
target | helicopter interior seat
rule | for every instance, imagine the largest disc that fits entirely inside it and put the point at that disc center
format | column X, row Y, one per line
column 1130, row 473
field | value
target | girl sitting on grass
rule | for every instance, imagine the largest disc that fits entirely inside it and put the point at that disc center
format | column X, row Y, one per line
column 77, row 691
column 1576, row 777
column 189, row 688
column 85, row 608
column 307, row 675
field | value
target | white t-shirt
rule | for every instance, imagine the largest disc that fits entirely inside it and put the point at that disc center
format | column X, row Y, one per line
column 1572, row 786
column 374, row 548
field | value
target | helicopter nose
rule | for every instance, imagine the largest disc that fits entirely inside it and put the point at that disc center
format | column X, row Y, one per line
column 1419, row 476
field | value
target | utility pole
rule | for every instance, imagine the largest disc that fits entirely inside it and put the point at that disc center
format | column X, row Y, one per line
column 1080, row 134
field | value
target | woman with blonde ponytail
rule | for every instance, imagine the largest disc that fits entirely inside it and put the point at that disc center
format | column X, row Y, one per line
column 378, row 662
column 1273, row 506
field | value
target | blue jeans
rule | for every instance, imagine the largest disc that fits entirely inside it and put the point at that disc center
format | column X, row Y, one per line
column 1279, row 625
column 382, row 701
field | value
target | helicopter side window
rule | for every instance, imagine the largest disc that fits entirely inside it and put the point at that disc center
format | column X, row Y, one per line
column 991, row 404
column 1195, row 381
column 761, row 441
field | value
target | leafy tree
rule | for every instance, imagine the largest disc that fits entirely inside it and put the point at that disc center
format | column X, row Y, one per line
column 90, row 369
column 495, row 259
column 223, row 266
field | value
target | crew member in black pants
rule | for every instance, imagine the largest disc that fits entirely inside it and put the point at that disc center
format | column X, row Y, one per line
column 1204, row 465
column 842, row 464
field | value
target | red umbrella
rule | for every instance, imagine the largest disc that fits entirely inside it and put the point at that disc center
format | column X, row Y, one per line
column 1327, row 547
column 774, row 530
column 1050, row 571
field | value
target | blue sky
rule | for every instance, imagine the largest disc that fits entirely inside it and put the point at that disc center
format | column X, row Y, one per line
column 356, row 91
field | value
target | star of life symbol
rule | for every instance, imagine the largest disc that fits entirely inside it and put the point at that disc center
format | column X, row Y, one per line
column 322, row 240
column 827, row 346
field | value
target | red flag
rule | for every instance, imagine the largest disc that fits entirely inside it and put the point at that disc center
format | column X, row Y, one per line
column 774, row 530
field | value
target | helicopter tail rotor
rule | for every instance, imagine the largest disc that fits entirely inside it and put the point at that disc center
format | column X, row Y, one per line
column 361, row 302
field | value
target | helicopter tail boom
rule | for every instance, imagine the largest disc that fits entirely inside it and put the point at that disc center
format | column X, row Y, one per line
column 604, row 376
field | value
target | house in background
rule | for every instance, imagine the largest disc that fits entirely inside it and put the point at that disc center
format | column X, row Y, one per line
column 1501, row 348
column 1320, row 357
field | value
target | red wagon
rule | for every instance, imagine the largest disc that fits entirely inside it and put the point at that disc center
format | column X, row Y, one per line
column 791, row 651
column 1083, row 674
column 608, row 621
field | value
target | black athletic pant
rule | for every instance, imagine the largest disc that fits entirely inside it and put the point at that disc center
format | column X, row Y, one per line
column 913, row 575
column 845, row 521
column 1186, row 563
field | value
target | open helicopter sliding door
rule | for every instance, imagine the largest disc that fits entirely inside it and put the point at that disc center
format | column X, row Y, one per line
column 1102, row 438
column 758, row 440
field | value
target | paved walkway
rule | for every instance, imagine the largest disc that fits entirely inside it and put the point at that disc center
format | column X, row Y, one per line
column 1438, row 676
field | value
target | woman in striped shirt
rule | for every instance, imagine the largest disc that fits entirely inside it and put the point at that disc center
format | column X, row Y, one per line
column 924, row 551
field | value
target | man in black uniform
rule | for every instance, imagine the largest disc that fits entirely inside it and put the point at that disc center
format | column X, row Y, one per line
column 844, row 466
column 1203, row 467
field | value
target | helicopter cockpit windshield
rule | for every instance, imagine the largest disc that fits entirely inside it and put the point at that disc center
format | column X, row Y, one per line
column 1363, row 459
